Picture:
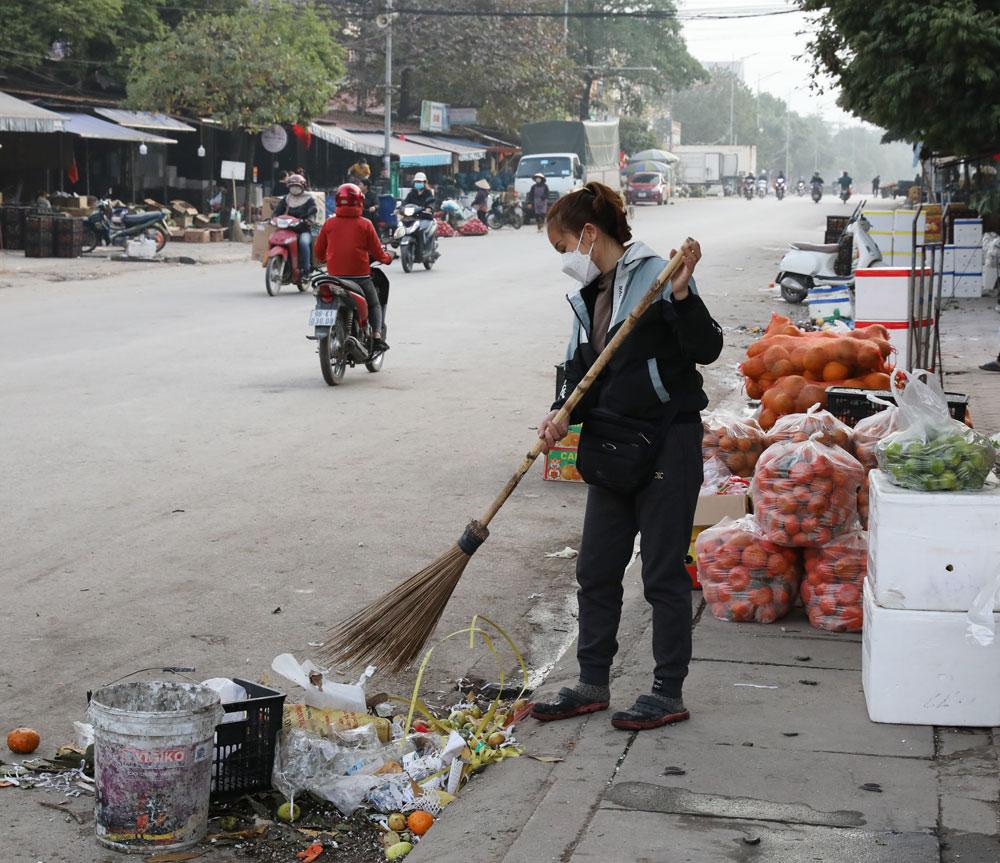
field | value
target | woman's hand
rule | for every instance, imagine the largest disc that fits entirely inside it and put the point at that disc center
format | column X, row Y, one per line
column 550, row 431
column 692, row 254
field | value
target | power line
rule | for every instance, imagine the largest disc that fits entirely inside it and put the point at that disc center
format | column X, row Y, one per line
column 647, row 14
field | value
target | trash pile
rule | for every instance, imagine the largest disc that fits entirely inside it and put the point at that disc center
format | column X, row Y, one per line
column 321, row 771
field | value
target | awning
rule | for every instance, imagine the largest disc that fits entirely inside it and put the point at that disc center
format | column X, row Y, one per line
column 467, row 151
column 86, row 126
column 144, row 120
column 345, row 140
column 16, row 115
column 410, row 154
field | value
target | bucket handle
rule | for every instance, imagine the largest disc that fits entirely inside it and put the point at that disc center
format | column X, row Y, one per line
column 182, row 670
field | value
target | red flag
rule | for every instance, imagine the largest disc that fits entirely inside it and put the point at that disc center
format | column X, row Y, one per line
column 73, row 173
column 304, row 135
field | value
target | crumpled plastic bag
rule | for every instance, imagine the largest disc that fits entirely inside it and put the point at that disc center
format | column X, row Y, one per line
column 716, row 473
column 932, row 452
column 328, row 694
column 981, row 628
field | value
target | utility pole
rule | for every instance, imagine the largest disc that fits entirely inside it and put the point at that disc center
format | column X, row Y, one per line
column 732, row 105
column 788, row 109
column 387, row 157
column 565, row 25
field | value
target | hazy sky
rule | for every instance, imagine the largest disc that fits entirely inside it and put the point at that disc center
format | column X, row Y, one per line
column 775, row 41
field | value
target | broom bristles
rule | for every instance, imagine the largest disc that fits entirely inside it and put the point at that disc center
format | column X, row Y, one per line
column 390, row 632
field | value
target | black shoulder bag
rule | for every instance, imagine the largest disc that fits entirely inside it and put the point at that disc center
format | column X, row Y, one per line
column 618, row 453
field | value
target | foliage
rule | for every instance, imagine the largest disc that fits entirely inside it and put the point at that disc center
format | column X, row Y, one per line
column 925, row 70
column 249, row 69
column 600, row 46
column 636, row 135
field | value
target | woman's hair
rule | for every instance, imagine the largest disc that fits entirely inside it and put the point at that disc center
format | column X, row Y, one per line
column 595, row 204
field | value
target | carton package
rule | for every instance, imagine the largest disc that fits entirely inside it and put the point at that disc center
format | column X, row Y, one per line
column 930, row 551
column 267, row 207
column 919, row 668
column 560, row 464
column 196, row 235
column 326, row 722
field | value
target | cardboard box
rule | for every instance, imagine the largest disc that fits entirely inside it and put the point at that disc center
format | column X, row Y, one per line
column 267, row 208
column 183, row 208
column 918, row 668
column 560, row 464
column 196, row 235
column 261, row 234
column 930, row 551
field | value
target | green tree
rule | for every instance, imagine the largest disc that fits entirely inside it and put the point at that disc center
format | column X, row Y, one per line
column 248, row 69
column 640, row 56
column 636, row 135
column 924, row 70
column 704, row 111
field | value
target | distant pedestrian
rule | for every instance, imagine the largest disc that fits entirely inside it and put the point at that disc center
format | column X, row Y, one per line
column 481, row 203
column 538, row 198
column 876, row 183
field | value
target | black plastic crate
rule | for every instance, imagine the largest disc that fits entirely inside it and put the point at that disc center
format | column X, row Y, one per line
column 244, row 749
column 852, row 405
column 837, row 223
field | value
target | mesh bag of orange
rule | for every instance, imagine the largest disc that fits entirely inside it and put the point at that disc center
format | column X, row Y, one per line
column 801, row 427
column 806, row 493
column 744, row 576
column 737, row 443
column 835, row 575
column 868, row 432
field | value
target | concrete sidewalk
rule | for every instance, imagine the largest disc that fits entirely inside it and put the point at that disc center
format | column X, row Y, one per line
column 779, row 762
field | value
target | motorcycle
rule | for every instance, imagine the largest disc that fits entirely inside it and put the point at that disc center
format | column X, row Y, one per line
column 809, row 265
column 779, row 188
column 817, row 191
column 800, row 188
column 107, row 227
column 341, row 325
column 728, row 189
column 845, row 193
column 282, row 266
column 762, row 188
column 416, row 237
column 501, row 214
column 748, row 187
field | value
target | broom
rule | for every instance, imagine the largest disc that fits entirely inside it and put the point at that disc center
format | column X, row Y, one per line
column 392, row 630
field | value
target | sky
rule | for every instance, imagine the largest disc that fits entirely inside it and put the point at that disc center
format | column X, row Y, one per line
column 774, row 42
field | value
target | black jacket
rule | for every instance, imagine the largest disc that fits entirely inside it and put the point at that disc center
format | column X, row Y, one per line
column 653, row 375
column 421, row 197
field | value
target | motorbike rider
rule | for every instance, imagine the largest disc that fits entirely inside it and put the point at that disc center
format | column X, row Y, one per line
column 348, row 244
column 422, row 196
column 749, row 181
column 845, row 182
column 780, row 178
column 302, row 206
column 816, row 178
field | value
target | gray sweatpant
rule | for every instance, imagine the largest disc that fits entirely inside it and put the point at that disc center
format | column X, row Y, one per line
column 371, row 295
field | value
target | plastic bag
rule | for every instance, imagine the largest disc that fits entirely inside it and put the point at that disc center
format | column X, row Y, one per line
column 867, row 433
column 744, row 577
column 802, row 426
column 981, row 628
column 835, row 577
column 715, row 473
column 805, row 494
column 319, row 691
column 932, row 452
column 738, row 443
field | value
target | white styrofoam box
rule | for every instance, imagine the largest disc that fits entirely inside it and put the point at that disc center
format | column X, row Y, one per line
column 930, row 551
column 968, row 232
column 144, row 248
column 968, row 285
column 902, row 230
column 881, row 222
column 830, row 301
column 918, row 668
column 968, row 259
column 882, row 293
column 948, row 272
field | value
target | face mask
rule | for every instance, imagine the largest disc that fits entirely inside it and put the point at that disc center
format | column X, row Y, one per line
column 418, row 186
column 296, row 190
column 580, row 266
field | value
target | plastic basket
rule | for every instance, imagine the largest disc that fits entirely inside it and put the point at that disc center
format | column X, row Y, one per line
column 852, row 405
column 244, row 749
column 837, row 223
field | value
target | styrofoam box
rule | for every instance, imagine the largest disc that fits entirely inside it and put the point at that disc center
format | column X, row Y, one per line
column 829, row 302
column 948, row 272
column 918, row 668
column 930, row 551
column 967, row 285
column 968, row 232
column 881, row 222
column 968, row 259
column 882, row 293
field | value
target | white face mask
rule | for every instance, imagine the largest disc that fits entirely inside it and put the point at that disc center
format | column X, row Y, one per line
column 296, row 190
column 580, row 266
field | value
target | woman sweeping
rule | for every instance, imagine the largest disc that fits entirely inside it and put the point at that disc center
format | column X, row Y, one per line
column 652, row 393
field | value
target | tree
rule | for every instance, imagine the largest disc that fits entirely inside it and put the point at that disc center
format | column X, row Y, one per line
column 249, row 69
column 636, row 135
column 924, row 70
column 704, row 111
column 639, row 55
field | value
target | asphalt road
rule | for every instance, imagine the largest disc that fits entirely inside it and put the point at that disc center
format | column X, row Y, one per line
column 173, row 470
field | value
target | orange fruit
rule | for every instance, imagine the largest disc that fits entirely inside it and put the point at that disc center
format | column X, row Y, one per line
column 23, row 741
column 419, row 822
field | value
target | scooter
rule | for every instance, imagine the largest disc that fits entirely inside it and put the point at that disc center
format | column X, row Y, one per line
column 810, row 265
column 500, row 215
column 341, row 327
column 845, row 194
column 748, row 187
column 761, row 188
column 105, row 227
column 282, row 266
column 779, row 188
column 800, row 188
column 416, row 237
column 817, row 192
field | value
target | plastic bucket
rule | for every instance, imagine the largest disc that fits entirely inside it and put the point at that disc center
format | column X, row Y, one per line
column 153, row 746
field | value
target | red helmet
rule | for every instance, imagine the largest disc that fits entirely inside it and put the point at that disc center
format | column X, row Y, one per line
column 350, row 195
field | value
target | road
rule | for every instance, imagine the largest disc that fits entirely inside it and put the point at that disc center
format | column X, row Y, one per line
column 181, row 488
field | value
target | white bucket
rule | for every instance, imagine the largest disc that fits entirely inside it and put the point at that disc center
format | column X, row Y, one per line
column 153, row 744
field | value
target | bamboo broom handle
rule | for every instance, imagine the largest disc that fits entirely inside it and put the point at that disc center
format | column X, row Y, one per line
column 588, row 379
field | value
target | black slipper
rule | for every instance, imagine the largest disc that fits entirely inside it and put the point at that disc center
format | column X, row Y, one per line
column 991, row 366
column 567, row 704
column 648, row 712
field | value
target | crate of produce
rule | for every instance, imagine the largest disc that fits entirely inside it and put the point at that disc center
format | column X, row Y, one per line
column 851, row 405
column 39, row 239
column 68, row 238
column 836, row 224
column 244, row 748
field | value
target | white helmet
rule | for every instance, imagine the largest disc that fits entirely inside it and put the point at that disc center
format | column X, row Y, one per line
column 420, row 177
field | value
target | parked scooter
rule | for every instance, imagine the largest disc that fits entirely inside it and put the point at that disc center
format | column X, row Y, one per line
column 416, row 237
column 501, row 214
column 341, row 325
column 283, row 256
column 779, row 188
column 809, row 265
column 106, row 227
column 817, row 191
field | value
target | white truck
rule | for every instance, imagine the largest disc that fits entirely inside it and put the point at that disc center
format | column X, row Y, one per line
column 568, row 153
column 711, row 165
